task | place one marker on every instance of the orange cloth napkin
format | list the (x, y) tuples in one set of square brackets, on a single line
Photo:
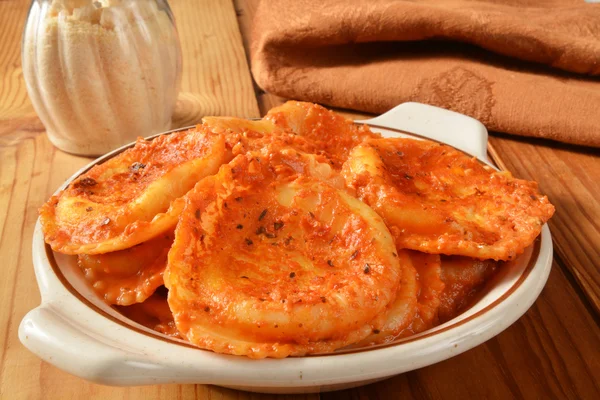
[(525, 67)]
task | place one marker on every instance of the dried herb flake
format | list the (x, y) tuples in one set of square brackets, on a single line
[(262, 214)]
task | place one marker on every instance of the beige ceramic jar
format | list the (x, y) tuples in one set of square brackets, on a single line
[(101, 73)]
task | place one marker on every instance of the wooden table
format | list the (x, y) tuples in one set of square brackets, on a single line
[(553, 351)]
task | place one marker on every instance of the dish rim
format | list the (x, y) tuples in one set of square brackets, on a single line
[(542, 255)]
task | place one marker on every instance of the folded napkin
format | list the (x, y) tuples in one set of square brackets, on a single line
[(525, 67)]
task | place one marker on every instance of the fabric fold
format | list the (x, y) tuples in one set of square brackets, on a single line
[(518, 66)]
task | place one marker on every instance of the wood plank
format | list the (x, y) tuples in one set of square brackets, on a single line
[(14, 102), (216, 78)]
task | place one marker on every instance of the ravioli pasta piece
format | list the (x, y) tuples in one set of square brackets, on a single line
[(132, 197), (463, 277), (306, 127), (224, 125), (153, 313), (438, 200), (415, 308), (333, 135), (269, 260), (315, 234), (243, 136), (430, 288), (401, 312), (128, 276)]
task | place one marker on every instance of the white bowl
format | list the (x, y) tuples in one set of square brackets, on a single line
[(77, 332)]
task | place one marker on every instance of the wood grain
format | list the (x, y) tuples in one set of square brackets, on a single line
[(216, 79), (551, 352), (14, 101)]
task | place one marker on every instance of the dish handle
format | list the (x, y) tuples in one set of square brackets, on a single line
[(457, 130), (57, 339)]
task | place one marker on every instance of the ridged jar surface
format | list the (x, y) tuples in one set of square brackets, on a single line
[(100, 74)]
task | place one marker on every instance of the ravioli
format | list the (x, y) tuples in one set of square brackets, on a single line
[(300, 233), (273, 258), (128, 276), (333, 135), (430, 289), (438, 200), (462, 277), (243, 136), (154, 313), (415, 308), (401, 312), (302, 126), (131, 198)]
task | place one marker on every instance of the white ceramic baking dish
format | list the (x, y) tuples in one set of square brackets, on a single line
[(76, 331)]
